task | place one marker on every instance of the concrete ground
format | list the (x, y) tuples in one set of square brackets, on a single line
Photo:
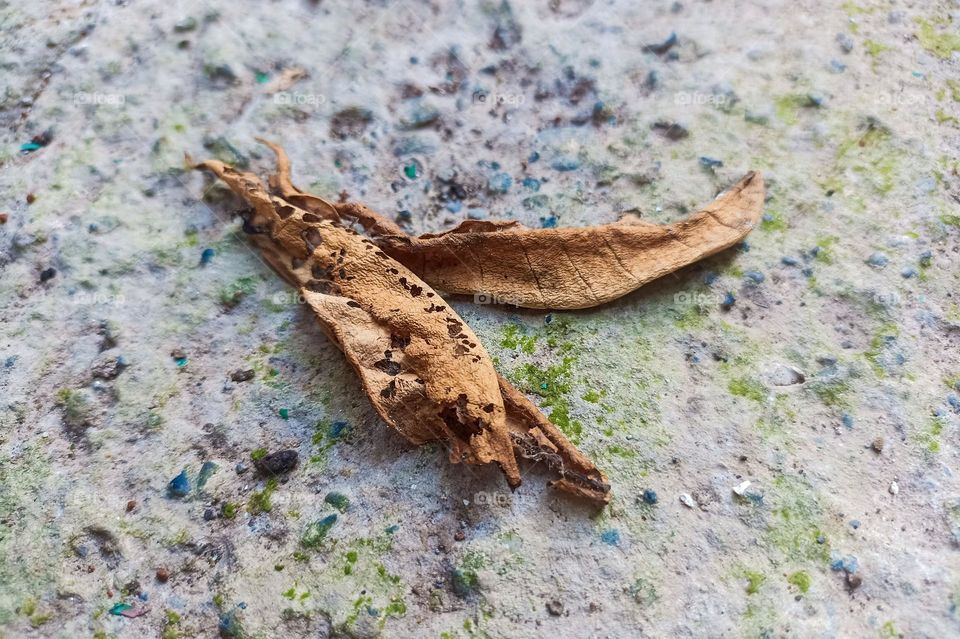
[(819, 361)]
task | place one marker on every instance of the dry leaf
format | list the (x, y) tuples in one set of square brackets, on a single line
[(422, 367), (564, 268), (569, 268)]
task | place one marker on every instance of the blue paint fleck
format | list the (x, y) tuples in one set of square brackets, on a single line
[(847, 564), (206, 256), (710, 163), (531, 183), (728, 301), (650, 497), (755, 276), (908, 272), (338, 428), (533, 157), (206, 472), (179, 486), (565, 163), (611, 537), (847, 420), (549, 222), (454, 206), (855, 523), (499, 183), (391, 529), (787, 260), (709, 278)]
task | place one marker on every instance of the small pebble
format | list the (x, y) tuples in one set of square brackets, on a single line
[(163, 575), (241, 468), (3, 218), (209, 514), (459, 535), (894, 488), (845, 42), (241, 375), (282, 461), (878, 259), (555, 607), (31, 198), (687, 500), (908, 272), (877, 445), (47, 274), (741, 489), (670, 130), (853, 581), (131, 505)]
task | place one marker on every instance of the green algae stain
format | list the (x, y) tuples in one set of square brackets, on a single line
[(874, 48), (592, 396), (950, 220), (692, 317), (754, 581), (801, 580), (884, 337), (833, 391), (466, 581), (552, 384), (787, 107), (794, 528), (316, 532), (260, 501), (773, 221), (941, 44), (233, 293), (515, 337), (749, 388), (27, 556), (929, 439)]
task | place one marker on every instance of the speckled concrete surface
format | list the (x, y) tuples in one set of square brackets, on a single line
[(820, 361)]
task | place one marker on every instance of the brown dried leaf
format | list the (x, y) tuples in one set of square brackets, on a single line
[(570, 268), (564, 268), (422, 367)]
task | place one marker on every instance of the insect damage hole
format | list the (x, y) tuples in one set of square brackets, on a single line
[(312, 239)]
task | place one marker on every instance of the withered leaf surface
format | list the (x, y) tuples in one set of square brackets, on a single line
[(557, 268), (422, 367), (570, 268)]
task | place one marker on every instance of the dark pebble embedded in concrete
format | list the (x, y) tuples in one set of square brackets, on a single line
[(282, 461), (242, 376)]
